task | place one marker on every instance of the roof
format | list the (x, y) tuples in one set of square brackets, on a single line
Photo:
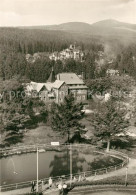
[(69, 78), (57, 84), (51, 78), (37, 86), (48, 86)]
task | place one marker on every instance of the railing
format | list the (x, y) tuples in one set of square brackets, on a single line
[(76, 176), (32, 148)]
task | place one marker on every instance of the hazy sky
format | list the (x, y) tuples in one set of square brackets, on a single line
[(46, 12)]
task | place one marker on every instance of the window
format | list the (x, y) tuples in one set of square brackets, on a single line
[(78, 98), (83, 97)]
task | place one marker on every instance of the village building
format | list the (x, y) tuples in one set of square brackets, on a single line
[(31, 58), (75, 85), (56, 88), (71, 52)]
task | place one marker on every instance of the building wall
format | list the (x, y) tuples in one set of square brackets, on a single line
[(46, 96), (61, 93), (79, 94)]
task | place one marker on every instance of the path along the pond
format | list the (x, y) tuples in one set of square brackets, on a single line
[(122, 171)]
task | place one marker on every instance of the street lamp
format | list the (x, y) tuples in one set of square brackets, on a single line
[(37, 171), (126, 176), (70, 164)]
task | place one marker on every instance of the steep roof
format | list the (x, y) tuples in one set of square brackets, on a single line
[(37, 86), (57, 84), (48, 86), (51, 78), (69, 78)]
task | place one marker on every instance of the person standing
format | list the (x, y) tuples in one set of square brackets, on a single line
[(60, 188), (50, 182), (32, 187), (65, 190)]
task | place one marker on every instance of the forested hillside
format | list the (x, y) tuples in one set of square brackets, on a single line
[(15, 43)]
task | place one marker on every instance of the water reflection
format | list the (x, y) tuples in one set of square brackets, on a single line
[(51, 163), (61, 163)]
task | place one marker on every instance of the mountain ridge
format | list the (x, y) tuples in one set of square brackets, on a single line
[(70, 25), (103, 27)]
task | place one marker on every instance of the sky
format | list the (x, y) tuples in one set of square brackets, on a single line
[(48, 12)]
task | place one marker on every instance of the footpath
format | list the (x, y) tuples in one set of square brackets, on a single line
[(131, 170)]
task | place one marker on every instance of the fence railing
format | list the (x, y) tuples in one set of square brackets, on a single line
[(75, 177), (32, 148)]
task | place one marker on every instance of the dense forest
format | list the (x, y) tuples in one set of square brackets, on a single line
[(15, 43)]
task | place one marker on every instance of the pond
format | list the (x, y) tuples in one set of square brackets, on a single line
[(21, 168)]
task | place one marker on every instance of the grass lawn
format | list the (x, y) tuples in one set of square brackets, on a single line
[(44, 134), (41, 135)]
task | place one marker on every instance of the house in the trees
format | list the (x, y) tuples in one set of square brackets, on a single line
[(75, 85), (71, 52), (55, 90)]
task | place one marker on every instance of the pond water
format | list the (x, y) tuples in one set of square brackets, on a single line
[(20, 168)]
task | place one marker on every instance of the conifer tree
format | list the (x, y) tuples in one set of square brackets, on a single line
[(109, 121), (65, 117)]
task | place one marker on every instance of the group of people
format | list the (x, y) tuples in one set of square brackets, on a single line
[(62, 186)]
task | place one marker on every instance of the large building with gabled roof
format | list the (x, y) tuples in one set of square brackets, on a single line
[(56, 88), (75, 85)]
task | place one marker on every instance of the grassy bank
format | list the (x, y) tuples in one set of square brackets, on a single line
[(116, 180)]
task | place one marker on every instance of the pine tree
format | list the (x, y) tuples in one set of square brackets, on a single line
[(14, 111), (65, 117), (108, 122)]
